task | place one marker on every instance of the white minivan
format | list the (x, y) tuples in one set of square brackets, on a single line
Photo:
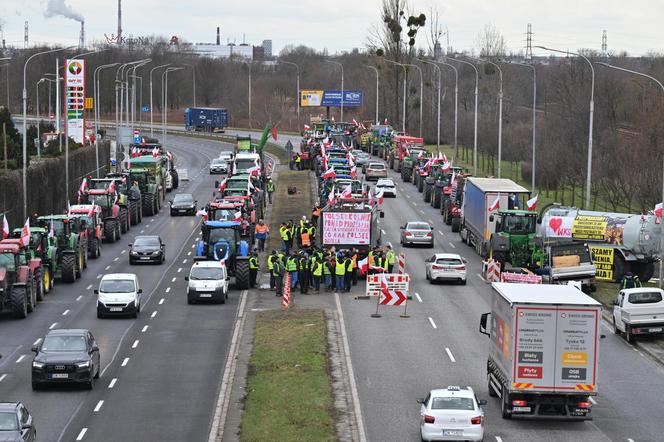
[(119, 294), (208, 281)]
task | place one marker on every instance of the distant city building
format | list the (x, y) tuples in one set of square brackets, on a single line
[(267, 48), (259, 53), (243, 50)]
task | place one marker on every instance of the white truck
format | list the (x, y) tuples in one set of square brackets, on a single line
[(638, 311), (544, 351)]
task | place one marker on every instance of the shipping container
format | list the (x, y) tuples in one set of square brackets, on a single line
[(205, 119)]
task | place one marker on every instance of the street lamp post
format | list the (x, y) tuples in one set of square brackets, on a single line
[(456, 104), (41, 80), (151, 120), (7, 75), (661, 225), (342, 85), (133, 76), (137, 109), (421, 91), (590, 127), (25, 123), (298, 88), (532, 66), (193, 70), (438, 107), (403, 116), (96, 94), (164, 100), (377, 85), (477, 83)]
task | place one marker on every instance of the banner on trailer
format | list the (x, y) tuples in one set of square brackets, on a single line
[(75, 99), (347, 228)]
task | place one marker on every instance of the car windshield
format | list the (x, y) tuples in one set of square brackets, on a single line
[(645, 298), (385, 184), (452, 403), (449, 261), (100, 200), (218, 161), (519, 224), (222, 215), (63, 343), (183, 198), (147, 241), (206, 273), (418, 226), (244, 164), (117, 286), (58, 226), (8, 422), (227, 235), (7, 261), (377, 166)]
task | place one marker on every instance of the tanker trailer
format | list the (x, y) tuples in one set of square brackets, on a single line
[(618, 242)]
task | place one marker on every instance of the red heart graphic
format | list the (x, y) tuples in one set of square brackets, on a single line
[(555, 224)]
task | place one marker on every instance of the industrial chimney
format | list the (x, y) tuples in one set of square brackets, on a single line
[(81, 39), (218, 37), (119, 21)]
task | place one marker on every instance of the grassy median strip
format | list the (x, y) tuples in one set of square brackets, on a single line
[(289, 395), (287, 206)]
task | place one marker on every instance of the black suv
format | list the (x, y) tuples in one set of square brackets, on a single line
[(183, 204), (66, 356), (16, 423)]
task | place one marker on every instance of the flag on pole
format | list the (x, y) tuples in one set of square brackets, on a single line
[(353, 172), (446, 166), (347, 192), (355, 122), (453, 180), (532, 203), (51, 230), (237, 216), (363, 265), (381, 197), (84, 185), (658, 210), (111, 187), (25, 233), (274, 133), (495, 205), (5, 227), (330, 198), (306, 127), (329, 173)]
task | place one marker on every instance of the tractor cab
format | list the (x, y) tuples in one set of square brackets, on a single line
[(60, 226), (221, 241), (514, 238)]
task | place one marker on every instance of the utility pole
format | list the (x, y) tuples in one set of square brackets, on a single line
[(4, 140), (529, 43), (604, 54)]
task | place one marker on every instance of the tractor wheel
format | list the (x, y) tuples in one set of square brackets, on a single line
[(48, 279), (427, 194), (124, 220), (19, 302), (110, 230), (420, 185), (85, 256), (133, 212), (645, 271), (456, 224), (242, 274), (118, 229), (39, 282), (80, 262), (93, 249), (31, 293), (68, 267), (148, 204)]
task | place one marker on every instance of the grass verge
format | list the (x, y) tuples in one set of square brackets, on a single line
[(289, 395)]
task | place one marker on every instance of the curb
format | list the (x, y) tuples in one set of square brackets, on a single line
[(654, 355)]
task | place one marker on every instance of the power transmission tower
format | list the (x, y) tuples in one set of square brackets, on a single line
[(529, 43), (604, 53), (25, 37)]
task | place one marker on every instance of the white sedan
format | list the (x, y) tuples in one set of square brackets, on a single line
[(387, 186), (446, 267), (451, 413)]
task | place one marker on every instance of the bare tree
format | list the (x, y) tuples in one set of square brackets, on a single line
[(491, 42)]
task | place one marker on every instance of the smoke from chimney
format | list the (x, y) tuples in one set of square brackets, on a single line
[(218, 37), (58, 7), (81, 40)]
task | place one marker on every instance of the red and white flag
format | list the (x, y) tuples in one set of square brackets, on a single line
[(347, 192), (658, 210), (363, 265), (51, 230), (25, 233), (385, 122), (353, 172), (274, 133), (306, 127), (330, 198), (446, 166), (111, 187), (532, 203), (237, 216), (381, 197), (453, 180), (155, 152), (329, 173), (421, 154), (355, 122), (84, 185), (5, 227), (254, 171), (495, 205)]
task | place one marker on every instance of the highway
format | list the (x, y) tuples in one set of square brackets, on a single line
[(160, 372), (397, 360)]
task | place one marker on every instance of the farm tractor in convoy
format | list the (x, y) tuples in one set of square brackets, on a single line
[(451, 198), (43, 248), (90, 225), (115, 217), (514, 239), (70, 256), (221, 241), (130, 195), (147, 173), (21, 281)]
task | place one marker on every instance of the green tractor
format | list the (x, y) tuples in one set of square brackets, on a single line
[(131, 193), (514, 239), (221, 241), (147, 173), (70, 257)]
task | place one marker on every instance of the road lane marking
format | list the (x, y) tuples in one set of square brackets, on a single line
[(135, 344), (414, 203), (107, 267), (383, 232), (417, 295), (173, 280), (441, 233), (53, 326), (188, 253), (124, 362), (431, 222), (81, 435), (145, 328), (88, 287), (161, 301), (422, 211), (2, 377), (433, 324), (449, 354), (117, 258), (154, 313), (179, 269), (65, 313), (184, 261), (98, 406), (168, 289), (20, 358), (193, 246), (481, 277), (143, 231), (99, 276), (122, 252), (79, 297), (592, 400), (37, 341), (452, 245), (112, 383), (499, 439), (407, 196)]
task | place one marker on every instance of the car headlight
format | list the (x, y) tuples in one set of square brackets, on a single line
[(38, 365), (133, 253), (84, 364), (155, 253)]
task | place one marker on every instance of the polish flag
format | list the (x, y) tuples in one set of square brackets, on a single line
[(347, 192), (421, 154), (84, 185), (25, 233), (203, 214), (446, 166), (330, 198), (68, 210), (362, 126), (385, 121), (51, 231), (381, 197), (5, 227), (222, 185), (363, 265), (453, 180), (495, 205), (111, 187), (155, 152), (353, 172), (274, 133), (355, 122), (658, 210), (329, 173), (306, 127), (254, 171), (532, 203), (237, 216)]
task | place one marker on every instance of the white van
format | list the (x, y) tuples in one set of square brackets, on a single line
[(119, 294), (208, 281), (244, 161)]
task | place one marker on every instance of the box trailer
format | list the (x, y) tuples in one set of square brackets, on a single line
[(205, 119), (544, 350)]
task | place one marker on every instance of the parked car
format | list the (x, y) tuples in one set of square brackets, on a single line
[(639, 311), (387, 186), (183, 204), (119, 294), (16, 423), (218, 165), (147, 248), (66, 356), (375, 171), (452, 413), (416, 232), (446, 267), (207, 281)]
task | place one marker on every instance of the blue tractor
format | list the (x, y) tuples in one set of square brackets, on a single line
[(220, 241)]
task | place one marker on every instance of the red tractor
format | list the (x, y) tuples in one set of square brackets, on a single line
[(116, 218), (234, 209), (90, 226), (402, 146), (20, 279)]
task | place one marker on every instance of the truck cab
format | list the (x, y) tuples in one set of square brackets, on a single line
[(638, 311), (514, 237)]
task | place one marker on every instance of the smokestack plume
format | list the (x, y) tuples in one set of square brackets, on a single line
[(218, 37), (58, 7), (81, 40)]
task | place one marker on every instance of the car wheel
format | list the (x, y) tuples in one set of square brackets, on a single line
[(426, 273), (463, 282), (100, 315), (190, 301), (131, 262), (35, 386), (97, 373), (615, 328)]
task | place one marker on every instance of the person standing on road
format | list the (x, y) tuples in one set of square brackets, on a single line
[(390, 258), (253, 268), (340, 273), (630, 281), (303, 277), (315, 214), (316, 271), (278, 274), (291, 233), (298, 162), (262, 230), (348, 277), (291, 267), (270, 266), (270, 189), (328, 270), (284, 234), (354, 258)]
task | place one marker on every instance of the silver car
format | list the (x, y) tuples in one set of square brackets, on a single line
[(446, 267), (416, 232), (361, 158)]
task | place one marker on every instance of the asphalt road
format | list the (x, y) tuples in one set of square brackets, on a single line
[(397, 360), (160, 371)]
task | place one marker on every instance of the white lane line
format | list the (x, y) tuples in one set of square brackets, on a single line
[(161, 301), (88, 287), (407, 196), (193, 246), (441, 233), (452, 245), (145, 328), (20, 358), (98, 406), (122, 252), (117, 258), (53, 326), (107, 267), (143, 231), (499, 439), (481, 277), (173, 280), (630, 440), (414, 203), (188, 253), (196, 239), (2, 377), (168, 289), (79, 297), (99, 276), (431, 222), (417, 295), (592, 400), (135, 344), (124, 362), (449, 354), (422, 211), (154, 313), (184, 261), (37, 341), (65, 313), (383, 232), (433, 324), (112, 383), (81, 435), (179, 269)]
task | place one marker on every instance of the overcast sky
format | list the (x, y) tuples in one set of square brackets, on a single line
[(634, 26)]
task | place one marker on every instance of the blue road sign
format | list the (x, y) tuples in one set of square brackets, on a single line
[(145, 109), (332, 98)]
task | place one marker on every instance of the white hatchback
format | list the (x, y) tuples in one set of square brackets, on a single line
[(452, 413), (387, 186), (446, 267)]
